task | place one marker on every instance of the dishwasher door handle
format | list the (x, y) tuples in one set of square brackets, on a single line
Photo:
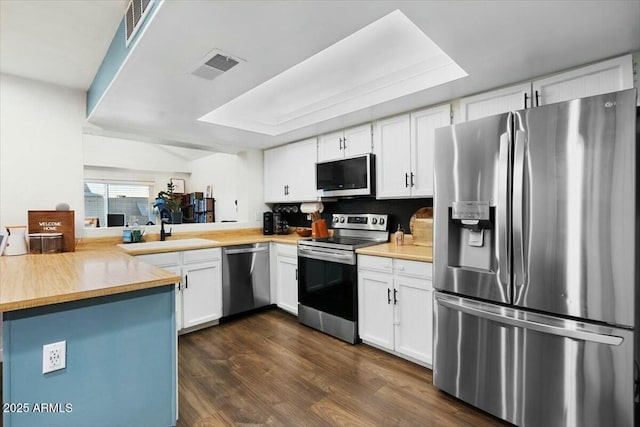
[(245, 251)]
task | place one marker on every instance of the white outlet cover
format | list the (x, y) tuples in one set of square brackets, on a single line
[(54, 356)]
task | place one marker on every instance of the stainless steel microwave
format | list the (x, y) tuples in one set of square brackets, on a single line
[(351, 176)]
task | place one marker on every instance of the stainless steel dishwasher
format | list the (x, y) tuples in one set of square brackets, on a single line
[(245, 278)]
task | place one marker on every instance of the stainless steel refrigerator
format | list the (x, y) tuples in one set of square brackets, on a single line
[(536, 255)]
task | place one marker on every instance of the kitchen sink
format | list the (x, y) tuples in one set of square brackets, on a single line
[(168, 244)]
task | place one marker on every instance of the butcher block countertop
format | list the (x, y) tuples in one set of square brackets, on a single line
[(28, 281), (99, 267), (407, 251), (103, 266)]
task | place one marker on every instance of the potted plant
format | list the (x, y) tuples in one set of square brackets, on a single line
[(172, 202)]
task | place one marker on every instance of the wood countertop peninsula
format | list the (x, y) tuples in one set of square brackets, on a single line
[(28, 281)]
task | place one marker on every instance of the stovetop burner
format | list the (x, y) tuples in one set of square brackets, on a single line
[(353, 231)]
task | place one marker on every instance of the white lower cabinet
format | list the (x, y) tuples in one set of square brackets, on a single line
[(199, 294), (286, 276), (395, 307)]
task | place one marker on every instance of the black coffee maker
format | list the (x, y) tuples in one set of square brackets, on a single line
[(267, 223)]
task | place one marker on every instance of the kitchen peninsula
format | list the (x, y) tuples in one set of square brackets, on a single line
[(116, 315)]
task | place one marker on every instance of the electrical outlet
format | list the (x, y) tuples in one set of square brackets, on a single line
[(54, 356)]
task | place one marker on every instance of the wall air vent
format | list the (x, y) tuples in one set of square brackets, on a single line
[(214, 64), (134, 17)]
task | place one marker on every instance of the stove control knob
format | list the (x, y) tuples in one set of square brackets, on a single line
[(342, 220), (335, 219), (374, 221), (381, 221)]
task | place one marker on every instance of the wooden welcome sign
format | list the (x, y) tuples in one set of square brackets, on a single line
[(55, 222)]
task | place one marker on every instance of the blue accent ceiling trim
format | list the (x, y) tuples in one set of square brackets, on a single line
[(121, 361), (115, 57)]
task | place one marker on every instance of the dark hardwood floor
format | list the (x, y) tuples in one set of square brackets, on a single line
[(267, 369)]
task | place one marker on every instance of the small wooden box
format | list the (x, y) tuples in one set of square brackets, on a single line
[(55, 222)]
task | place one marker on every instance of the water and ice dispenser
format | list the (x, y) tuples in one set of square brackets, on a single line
[(472, 235)]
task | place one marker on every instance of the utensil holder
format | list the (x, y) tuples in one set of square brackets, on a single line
[(319, 229)]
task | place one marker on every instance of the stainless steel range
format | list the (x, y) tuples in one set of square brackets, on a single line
[(328, 274)]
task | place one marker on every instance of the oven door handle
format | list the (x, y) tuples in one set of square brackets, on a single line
[(346, 258)]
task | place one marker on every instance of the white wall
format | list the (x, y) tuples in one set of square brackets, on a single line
[(218, 171), (250, 182), (101, 151), (40, 148)]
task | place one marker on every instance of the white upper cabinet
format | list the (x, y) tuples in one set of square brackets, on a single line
[(290, 172), (604, 77), (495, 102), (345, 143), (275, 174), (404, 152), (423, 125)]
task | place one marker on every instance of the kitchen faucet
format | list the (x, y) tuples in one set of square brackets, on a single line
[(164, 234)]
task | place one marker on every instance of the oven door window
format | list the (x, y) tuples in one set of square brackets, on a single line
[(329, 287)]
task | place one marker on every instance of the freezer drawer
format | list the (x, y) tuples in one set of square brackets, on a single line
[(532, 369)]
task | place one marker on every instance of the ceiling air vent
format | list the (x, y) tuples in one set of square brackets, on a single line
[(214, 64), (134, 17)]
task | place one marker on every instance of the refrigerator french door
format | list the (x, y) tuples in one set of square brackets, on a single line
[(535, 263)]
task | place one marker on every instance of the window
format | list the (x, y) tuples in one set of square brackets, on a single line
[(112, 203)]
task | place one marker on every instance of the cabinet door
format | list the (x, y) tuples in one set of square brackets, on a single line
[(275, 174), (603, 77), (301, 167), (495, 102), (178, 288), (391, 147), (375, 308), (201, 293), (413, 317), (423, 124), (357, 140), (287, 283), (330, 146)]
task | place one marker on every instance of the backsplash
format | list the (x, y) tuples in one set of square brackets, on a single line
[(399, 210)]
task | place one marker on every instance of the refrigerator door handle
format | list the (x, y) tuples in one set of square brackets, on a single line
[(503, 206), (506, 316), (519, 269)]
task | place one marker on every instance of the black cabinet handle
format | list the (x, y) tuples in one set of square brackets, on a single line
[(537, 99), (388, 296), (341, 143), (395, 296), (296, 274), (412, 184), (406, 180), (526, 97), (344, 143), (186, 282)]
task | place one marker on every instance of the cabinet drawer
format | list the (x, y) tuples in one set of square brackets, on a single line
[(376, 263), (199, 255), (287, 250), (165, 259), (412, 268)]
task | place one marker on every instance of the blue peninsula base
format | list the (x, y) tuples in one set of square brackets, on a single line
[(120, 362)]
